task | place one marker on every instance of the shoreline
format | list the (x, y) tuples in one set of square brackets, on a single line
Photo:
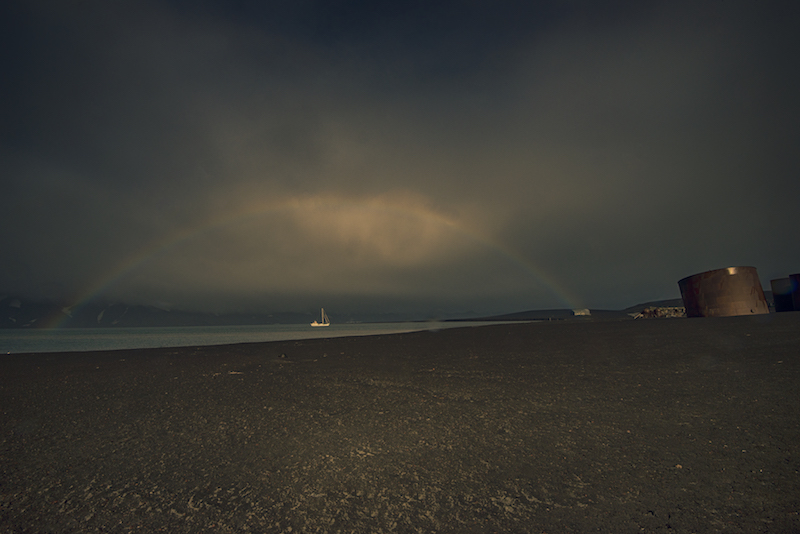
[(145, 338), (563, 426)]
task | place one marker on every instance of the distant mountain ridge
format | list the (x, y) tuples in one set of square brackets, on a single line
[(19, 312), (16, 312), (557, 315)]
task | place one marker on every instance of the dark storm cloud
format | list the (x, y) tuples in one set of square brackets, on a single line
[(494, 155)]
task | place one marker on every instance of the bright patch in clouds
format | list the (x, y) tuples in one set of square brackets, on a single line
[(324, 244)]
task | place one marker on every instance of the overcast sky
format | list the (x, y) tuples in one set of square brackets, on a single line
[(493, 156)]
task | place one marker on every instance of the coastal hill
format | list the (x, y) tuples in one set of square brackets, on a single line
[(561, 314)]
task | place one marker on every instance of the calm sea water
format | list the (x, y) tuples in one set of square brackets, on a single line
[(16, 341)]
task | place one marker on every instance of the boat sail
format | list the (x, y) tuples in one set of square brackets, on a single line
[(324, 318)]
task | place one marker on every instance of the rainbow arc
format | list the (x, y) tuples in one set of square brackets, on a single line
[(298, 207)]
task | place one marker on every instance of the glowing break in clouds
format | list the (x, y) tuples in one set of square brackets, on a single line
[(328, 245)]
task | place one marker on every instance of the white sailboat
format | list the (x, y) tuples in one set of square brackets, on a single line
[(324, 318)]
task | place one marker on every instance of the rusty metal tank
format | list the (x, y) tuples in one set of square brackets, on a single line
[(723, 293), (782, 294), (795, 280)]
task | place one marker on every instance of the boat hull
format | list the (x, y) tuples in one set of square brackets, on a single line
[(323, 317)]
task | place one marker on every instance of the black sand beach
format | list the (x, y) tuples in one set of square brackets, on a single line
[(672, 425)]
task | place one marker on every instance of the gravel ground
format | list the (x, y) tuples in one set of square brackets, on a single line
[(663, 425)]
